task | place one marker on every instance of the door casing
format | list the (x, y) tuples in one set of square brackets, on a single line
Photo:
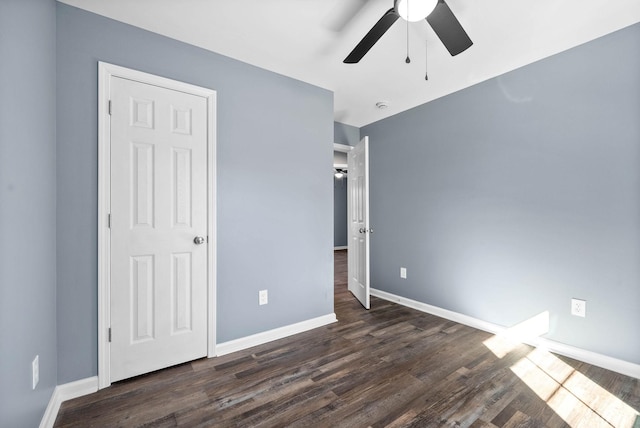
[(105, 72)]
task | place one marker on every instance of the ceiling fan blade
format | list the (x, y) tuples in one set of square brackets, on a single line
[(372, 36), (448, 29)]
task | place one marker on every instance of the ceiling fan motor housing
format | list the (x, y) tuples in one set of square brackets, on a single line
[(414, 10)]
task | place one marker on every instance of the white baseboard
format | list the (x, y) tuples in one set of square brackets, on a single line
[(275, 334), (71, 390), (67, 391), (589, 357), (442, 313), (344, 247)]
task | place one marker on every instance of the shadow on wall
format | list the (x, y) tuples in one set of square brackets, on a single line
[(345, 134)]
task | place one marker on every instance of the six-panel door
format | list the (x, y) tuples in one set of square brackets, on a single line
[(358, 213), (158, 207)]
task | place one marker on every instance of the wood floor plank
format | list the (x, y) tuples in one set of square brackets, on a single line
[(390, 366)]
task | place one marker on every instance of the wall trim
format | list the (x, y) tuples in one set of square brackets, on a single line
[(343, 247), (64, 392), (619, 366), (275, 334), (342, 148)]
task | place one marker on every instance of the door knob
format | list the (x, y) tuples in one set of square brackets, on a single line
[(362, 230), (198, 240)]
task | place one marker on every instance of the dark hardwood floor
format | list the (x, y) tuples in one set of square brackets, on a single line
[(389, 366)]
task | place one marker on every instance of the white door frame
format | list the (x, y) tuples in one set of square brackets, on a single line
[(342, 148), (105, 73)]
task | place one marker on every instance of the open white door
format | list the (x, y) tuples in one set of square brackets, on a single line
[(358, 215)]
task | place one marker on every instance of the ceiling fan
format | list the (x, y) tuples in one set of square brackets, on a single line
[(339, 172), (438, 15)]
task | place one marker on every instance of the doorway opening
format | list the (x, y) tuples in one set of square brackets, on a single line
[(340, 222), (358, 227)]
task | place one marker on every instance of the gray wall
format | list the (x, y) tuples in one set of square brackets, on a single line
[(27, 208), (509, 198), (273, 233), (340, 236), (345, 134), (339, 158)]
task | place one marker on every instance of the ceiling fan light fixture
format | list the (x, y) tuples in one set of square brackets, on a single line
[(415, 10)]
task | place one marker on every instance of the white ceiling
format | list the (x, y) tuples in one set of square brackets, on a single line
[(308, 39)]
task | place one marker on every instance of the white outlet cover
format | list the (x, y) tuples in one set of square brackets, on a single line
[(403, 272), (579, 307), (263, 297), (35, 372)]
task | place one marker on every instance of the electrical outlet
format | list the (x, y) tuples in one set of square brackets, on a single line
[(578, 307), (263, 297), (35, 372), (403, 272)]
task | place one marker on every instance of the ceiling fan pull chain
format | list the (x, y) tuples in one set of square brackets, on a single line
[(426, 66), (408, 60)]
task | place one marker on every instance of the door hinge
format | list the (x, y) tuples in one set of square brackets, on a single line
[(109, 107), (109, 220), (109, 334)]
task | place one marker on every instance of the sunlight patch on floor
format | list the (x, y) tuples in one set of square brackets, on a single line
[(503, 343), (579, 401)]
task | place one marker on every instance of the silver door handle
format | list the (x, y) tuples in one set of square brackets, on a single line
[(362, 230), (198, 240)]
